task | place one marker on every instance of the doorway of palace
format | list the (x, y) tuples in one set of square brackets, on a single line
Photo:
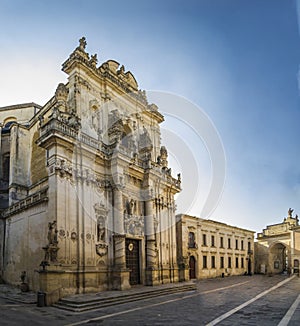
[(296, 266), (278, 258), (133, 260), (192, 267), (249, 266)]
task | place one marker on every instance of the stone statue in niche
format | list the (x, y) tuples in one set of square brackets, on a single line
[(101, 229), (131, 207), (101, 213)]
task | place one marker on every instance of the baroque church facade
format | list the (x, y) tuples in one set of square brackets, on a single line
[(86, 194)]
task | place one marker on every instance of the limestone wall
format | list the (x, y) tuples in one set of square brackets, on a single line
[(26, 234)]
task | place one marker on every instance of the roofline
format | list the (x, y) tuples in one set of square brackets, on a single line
[(215, 222), (20, 106)]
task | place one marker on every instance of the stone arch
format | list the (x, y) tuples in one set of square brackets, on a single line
[(278, 258), (9, 119)]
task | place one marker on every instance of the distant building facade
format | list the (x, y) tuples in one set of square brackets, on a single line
[(277, 249), (86, 194), (211, 249)]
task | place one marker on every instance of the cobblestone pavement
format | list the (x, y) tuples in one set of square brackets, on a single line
[(237, 300)]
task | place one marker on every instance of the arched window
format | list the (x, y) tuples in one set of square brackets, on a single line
[(6, 127)]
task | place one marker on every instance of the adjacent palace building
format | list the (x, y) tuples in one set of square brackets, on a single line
[(210, 249), (87, 196)]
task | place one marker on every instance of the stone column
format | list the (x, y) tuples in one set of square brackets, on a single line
[(120, 280), (151, 266), (119, 236), (150, 234)]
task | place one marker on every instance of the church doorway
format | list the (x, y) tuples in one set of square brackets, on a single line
[(192, 267), (133, 260)]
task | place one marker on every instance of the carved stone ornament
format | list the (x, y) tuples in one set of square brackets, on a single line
[(61, 93), (73, 236), (130, 246), (101, 249), (134, 224)]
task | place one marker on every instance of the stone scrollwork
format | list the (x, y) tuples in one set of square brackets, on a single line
[(62, 233), (61, 95), (63, 167)]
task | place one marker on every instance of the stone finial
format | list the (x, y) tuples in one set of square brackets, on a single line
[(121, 70), (164, 157), (94, 59), (61, 92), (163, 152), (82, 44)]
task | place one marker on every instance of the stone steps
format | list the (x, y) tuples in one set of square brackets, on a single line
[(87, 302)]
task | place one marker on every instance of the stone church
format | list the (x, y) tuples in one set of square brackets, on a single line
[(86, 194)]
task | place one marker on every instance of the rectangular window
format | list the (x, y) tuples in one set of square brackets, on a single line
[(221, 242), (236, 262), (204, 261), (229, 243), (242, 244), (204, 240), (236, 244), (212, 240), (242, 262), (221, 262), (229, 262), (213, 262)]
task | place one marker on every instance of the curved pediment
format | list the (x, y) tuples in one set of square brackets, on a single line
[(131, 80), (113, 66)]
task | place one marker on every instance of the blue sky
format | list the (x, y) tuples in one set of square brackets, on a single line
[(237, 60)]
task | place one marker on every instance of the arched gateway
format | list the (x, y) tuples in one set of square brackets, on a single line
[(277, 249)]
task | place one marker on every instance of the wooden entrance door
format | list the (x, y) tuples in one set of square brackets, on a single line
[(133, 260), (192, 266)]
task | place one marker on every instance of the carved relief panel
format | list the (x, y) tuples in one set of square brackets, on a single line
[(133, 218)]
